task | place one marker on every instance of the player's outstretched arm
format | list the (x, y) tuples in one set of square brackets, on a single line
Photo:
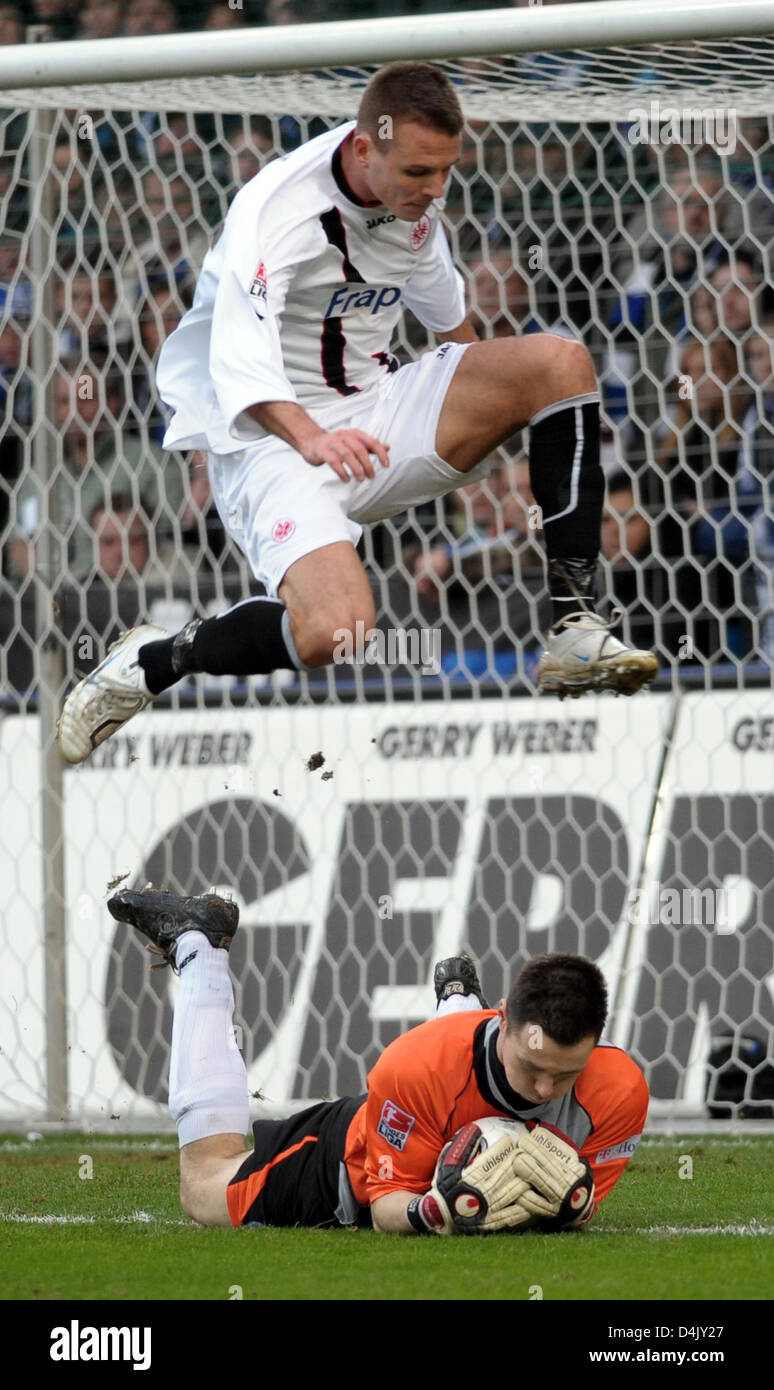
[(347, 451)]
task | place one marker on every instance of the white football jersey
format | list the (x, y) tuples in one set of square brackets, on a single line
[(298, 301)]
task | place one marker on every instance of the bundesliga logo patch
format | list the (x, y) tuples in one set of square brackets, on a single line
[(258, 292), (395, 1125)]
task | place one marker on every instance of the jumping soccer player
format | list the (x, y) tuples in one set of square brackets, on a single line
[(281, 370), (374, 1160)]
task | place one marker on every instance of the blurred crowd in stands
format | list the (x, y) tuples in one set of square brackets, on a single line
[(656, 256)]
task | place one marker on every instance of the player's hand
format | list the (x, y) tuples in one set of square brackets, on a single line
[(347, 452), (560, 1186), (473, 1192), (430, 571)]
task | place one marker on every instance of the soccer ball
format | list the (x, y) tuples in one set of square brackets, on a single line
[(493, 1127)]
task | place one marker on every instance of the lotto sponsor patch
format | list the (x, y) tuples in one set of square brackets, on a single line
[(395, 1125)]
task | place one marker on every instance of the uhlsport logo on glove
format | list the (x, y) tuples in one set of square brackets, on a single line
[(467, 1205), (561, 1151), (488, 1164)]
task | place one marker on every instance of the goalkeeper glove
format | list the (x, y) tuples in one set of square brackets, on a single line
[(560, 1184), (474, 1192)]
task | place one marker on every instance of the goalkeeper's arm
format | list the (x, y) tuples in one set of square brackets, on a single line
[(388, 1213), (539, 1179), (473, 1192)]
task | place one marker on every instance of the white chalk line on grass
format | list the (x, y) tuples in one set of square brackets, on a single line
[(137, 1218), (15, 1146), (730, 1141), (145, 1218), (750, 1228)]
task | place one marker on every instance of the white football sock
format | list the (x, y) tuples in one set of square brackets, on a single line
[(457, 1004), (207, 1074)]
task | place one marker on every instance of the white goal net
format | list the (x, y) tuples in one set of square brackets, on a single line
[(622, 194)]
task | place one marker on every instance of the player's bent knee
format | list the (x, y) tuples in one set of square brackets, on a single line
[(557, 367), (552, 353), (573, 362), (205, 1202)]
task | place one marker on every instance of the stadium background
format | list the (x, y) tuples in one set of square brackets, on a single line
[(460, 810)]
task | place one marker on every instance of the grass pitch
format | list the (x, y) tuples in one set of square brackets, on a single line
[(671, 1230)]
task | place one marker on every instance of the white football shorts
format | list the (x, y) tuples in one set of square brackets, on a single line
[(278, 507)]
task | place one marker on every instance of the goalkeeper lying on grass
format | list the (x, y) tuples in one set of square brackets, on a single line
[(407, 1157)]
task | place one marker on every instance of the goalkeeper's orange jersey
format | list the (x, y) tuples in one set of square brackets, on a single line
[(445, 1073)]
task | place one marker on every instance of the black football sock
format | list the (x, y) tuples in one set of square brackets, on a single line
[(569, 487), (251, 639)]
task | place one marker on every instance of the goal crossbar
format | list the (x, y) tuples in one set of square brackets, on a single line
[(607, 59), (437, 36)]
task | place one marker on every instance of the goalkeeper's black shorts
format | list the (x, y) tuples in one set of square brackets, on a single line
[(296, 1174)]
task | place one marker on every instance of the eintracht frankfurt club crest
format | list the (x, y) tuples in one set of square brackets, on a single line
[(420, 232)]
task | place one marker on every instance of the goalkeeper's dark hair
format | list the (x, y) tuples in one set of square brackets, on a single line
[(409, 92), (565, 995)]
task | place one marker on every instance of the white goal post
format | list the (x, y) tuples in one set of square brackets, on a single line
[(615, 185)]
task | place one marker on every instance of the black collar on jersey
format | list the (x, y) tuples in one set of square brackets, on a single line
[(337, 170), (490, 1072)]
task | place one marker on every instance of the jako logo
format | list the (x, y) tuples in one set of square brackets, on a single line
[(78, 1343), (346, 300), (379, 221)]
